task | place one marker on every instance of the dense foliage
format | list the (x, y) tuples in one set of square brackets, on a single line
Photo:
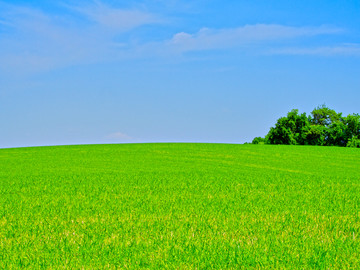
[(323, 126)]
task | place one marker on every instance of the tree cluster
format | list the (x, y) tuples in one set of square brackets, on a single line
[(323, 126)]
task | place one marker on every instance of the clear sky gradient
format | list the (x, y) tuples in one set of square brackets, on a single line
[(80, 72)]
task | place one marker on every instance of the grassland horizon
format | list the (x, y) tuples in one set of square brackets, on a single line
[(179, 205)]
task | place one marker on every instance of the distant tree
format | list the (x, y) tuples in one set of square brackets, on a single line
[(324, 116), (291, 129), (258, 140), (352, 122), (315, 135), (336, 134), (323, 126)]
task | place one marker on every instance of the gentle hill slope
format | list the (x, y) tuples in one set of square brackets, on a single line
[(180, 205)]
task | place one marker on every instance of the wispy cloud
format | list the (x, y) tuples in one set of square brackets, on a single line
[(207, 39), (35, 40), (38, 41), (115, 18), (343, 50), (5, 23)]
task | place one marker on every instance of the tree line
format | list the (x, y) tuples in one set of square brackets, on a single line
[(323, 126)]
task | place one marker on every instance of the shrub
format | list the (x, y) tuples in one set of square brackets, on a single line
[(258, 140), (354, 142)]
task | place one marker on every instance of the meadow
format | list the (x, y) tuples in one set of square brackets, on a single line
[(182, 206)]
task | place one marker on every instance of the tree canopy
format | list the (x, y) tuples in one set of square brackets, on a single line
[(323, 126)]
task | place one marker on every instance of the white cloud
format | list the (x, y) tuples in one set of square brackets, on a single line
[(37, 41), (343, 50), (121, 19), (116, 19), (246, 35)]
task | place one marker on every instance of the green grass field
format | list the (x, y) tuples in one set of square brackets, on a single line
[(180, 206)]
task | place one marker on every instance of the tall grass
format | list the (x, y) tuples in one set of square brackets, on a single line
[(180, 206)]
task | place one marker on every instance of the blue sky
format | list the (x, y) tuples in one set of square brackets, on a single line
[(79, 72)]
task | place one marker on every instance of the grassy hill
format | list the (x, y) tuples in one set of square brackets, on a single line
[(180, 206)]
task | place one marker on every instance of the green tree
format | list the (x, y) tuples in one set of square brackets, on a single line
[(336, 134), (352, 122), (324, 116), (315, 135), (333, 129), (258, 140), (323, 127), (290, 129), (354, 142)]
